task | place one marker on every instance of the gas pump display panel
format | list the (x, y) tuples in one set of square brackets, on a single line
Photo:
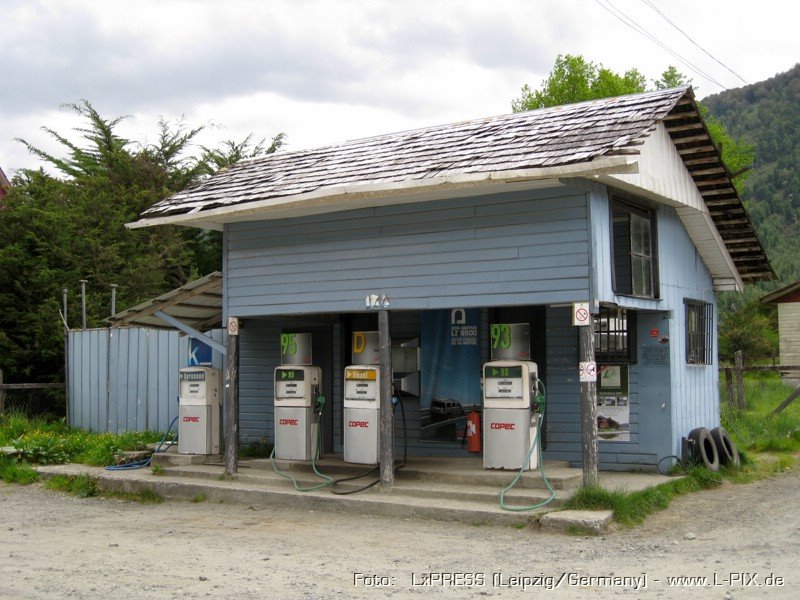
[(290, 385)]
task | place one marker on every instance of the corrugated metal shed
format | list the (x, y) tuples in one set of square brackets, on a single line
[(520, 143), (198, 304)]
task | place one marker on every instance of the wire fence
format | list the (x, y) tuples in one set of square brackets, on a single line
[(34, 399)]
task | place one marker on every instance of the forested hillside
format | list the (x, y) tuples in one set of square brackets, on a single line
[(768, 114)]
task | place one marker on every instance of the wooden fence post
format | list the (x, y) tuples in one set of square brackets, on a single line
[(729, 387), (739, 377), (2, 394)]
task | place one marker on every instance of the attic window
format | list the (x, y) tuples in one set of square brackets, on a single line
[(634, 250)]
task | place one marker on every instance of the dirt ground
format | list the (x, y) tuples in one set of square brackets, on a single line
[(744, 539)]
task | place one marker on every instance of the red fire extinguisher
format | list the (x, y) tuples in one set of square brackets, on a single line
[(474, 431)]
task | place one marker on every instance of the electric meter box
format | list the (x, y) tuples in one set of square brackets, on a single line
[(199, 418), (362, 385), (510, 414), (296, 422)]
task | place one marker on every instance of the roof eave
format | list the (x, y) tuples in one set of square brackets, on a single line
[(334, 199)]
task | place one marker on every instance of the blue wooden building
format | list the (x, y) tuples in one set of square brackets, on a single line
[(623, 203)]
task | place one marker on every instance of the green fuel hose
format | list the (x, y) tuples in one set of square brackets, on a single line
[(328, 480), (538, 447)]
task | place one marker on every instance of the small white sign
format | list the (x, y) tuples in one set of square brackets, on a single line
[(580, 314), (588, 371), (233, 326)]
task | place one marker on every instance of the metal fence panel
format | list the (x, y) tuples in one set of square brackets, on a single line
[(126, 379)]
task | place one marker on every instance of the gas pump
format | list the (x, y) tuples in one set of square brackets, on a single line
[(199, 411), (297, 414), (361, 414), (511, 412)]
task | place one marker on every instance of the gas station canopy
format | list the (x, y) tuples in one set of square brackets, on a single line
[(197, 304)]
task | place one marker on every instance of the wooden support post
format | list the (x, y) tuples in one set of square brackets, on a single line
[(232, 396), (386, 417), (2, 394), (729, 387), (590, 453), (739, 378)]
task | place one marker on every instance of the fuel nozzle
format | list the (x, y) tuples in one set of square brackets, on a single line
[(319, 404)]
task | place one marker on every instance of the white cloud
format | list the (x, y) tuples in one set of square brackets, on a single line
[(324, 71)]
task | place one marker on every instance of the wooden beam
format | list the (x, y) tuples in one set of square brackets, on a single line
[(696, 149), (675, 116), (590, 452), (690, 138), (231, 438), (386, 449), (687, 127), (701, 161), (705, 193), (711, 171)]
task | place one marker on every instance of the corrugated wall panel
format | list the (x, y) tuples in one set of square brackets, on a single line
[(519, 248), (127, 379)]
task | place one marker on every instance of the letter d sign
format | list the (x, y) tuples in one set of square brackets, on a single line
[(359, 342)]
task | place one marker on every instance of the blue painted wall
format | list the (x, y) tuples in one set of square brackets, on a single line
[(543, 247), (518, 248)]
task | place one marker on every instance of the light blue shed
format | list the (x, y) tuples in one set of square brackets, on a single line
[(621, 203)]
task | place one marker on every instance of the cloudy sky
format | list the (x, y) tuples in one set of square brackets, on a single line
[(324, 71)]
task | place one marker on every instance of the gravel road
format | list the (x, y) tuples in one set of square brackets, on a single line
[(744, 539)]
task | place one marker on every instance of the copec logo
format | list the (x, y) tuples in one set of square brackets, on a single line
[(509, 426), (287, 422), (364, 424), (191, 419)]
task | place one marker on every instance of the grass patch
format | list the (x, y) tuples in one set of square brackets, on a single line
[(14, 471), (146, 496), (631, 508), (158, 470), (580, 531), (83, 486), (756, 429), (201, 497)]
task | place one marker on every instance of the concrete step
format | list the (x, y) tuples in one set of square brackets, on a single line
[(434, 491), (456, 471), (378, 502)]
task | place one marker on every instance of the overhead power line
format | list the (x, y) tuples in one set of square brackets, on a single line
[(668, 20), (609, 7)]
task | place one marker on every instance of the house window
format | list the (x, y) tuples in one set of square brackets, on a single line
[(615, 336), (699, 323), (635, 272)]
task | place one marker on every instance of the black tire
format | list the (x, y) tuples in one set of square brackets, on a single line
[(704, 451), (726, 449)]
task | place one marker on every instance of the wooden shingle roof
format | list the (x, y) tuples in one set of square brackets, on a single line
[(520, 142)]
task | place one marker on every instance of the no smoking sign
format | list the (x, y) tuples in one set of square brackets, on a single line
[(587, 372), (580, 314)]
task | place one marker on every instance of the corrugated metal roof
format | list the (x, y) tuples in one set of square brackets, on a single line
[(527, 141), (198, 304)]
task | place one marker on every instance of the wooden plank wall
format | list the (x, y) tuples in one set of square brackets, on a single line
[(507, 249)]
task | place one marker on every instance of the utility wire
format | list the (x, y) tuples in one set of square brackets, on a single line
[(639, 29), (668, 20)]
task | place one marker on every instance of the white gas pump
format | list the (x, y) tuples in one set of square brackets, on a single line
[(361, 414), (510, 414), (297, 388), (199, 411)]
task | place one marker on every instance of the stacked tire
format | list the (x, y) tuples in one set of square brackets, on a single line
[(713, 448)]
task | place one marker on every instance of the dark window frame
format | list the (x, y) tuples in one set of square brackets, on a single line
[(623, 217), (615, 336), (699, 329)]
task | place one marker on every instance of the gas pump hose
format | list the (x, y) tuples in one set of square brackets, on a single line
[(538, 447), (328, 480), (146, 462), (376, 468)]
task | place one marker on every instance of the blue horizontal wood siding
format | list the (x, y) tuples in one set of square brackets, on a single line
[(507, 249)]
